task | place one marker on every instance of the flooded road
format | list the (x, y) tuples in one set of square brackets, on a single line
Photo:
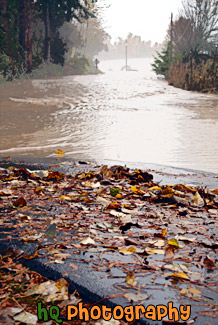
[(126, 116)]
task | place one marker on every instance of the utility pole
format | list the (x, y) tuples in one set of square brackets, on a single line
[(171, 37), (126, 53)]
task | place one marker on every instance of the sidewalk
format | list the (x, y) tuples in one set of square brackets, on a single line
[(117, 233)]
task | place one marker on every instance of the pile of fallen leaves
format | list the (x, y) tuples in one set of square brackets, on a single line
[(168, 231), (21, 290)]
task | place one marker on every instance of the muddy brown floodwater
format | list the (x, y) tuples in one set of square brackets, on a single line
[(120, 115)]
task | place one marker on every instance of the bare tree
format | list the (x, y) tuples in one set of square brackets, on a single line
[(186, 36), (203, 15)]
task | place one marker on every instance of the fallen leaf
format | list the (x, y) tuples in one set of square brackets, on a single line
[(38, 190), (59, 152), (45, 288), (185, 238), (127, 251), (114, 205), (32, 238), (87, 241), (173, 242), (132, 297), (118, 214), (164, 232), (155, 188), (67, 197), (114, 191), (59, 261), (30, 256), (62, 285), (169, 253), (197, 200), (130, 278), (102, 200), (191, 292), (154, 251), (21, 202), (135, 190), (159, 243), (209, 263), (27, 318), (180, 275)]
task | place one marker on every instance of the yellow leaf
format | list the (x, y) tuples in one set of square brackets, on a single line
[(60, 152), (155, 188), (135, 190), (67, 197), (173, 242), (62, 285), (130, 278), (180, 275), (167, 190), (127, 251)]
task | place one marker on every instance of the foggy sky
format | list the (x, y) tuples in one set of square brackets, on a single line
[(146, 18)]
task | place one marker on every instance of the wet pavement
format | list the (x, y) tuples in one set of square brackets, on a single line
[(96, 285)]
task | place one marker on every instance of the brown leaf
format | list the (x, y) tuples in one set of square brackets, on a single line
[(20, 202), (208, 263), (114, 205), (38, 190), (30, 256), (164, 232), (54, 176), (169, 253)]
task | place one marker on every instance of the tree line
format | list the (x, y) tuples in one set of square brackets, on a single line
[(30, 31), (190, 57), (137, 48)]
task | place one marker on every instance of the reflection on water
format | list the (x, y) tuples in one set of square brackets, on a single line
[(119, 115)]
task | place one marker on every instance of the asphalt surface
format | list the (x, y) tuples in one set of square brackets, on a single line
[(95, 285)]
